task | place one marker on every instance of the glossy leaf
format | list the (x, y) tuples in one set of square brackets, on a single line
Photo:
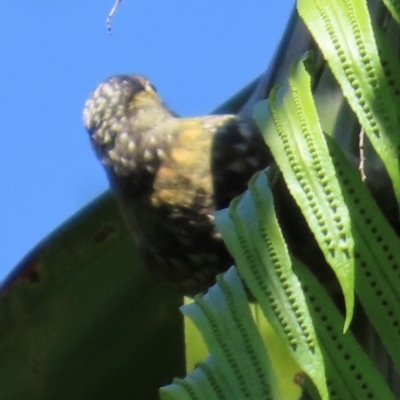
[(290, 126), (343, 31), (252, 235), (350, 372), (238, 367), (376, 254)]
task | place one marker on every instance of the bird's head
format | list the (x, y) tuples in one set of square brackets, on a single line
[(116, 99), (122, 116)]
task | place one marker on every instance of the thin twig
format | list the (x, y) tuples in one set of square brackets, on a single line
[(111, 14), (362, 155)]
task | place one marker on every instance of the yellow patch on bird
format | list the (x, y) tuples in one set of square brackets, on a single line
[(190, 135), (192, 147), (172, 197), (166, 174), (183, 156), (166, 196)]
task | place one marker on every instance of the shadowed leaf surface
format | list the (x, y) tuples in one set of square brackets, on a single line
[(81, 319)]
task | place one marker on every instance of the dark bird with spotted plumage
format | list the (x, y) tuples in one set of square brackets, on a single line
[(170, 175)]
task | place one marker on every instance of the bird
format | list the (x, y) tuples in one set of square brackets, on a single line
[(170, 174)]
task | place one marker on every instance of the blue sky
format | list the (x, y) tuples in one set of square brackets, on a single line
[(54, 53)]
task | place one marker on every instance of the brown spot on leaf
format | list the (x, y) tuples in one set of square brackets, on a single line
[(31, 270), (299, 379), (27, 270)]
